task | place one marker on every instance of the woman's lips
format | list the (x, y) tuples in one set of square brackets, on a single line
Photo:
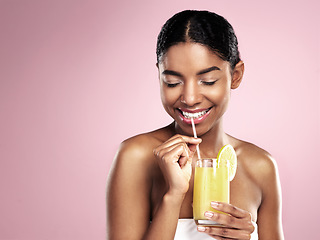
[(198, 115)]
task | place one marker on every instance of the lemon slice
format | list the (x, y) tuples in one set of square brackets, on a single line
[(227, 153)]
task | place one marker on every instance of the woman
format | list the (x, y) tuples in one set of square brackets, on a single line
[(150, 185)]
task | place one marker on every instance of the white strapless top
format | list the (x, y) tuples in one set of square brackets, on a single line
[(187, 230)]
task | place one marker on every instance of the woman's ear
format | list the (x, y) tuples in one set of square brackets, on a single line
[(237, 75)]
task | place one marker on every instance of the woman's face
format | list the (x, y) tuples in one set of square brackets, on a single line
[(195, 83)]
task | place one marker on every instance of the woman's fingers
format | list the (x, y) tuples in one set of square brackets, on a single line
[(237, 222), (174, 158), (231, 209), (225, 233), (175, 153), (188, 144), (187, 139), (231, 221), (178, 139)]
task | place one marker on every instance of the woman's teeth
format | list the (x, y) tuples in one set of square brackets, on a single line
[(194, 115)]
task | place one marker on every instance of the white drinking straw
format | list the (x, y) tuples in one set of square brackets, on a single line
[(195, 135)]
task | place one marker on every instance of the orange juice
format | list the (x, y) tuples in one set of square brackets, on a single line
[(211, 183)]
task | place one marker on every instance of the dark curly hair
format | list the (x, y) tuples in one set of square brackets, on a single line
[(203, 27)]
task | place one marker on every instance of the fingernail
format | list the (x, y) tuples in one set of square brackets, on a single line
[(214, 204), (208, 214), (201, 229)]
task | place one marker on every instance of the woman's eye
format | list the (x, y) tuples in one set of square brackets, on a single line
[(171, 85), (208, 83)]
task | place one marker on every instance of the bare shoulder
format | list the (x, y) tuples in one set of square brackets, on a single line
[(131, 165), (139, 149), (136, 149), (135, 154), (257, 162), (129, 185)]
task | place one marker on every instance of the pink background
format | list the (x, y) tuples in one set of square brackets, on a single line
[(78, 77)]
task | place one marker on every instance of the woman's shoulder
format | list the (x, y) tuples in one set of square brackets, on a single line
[(134, 162), (257, 162), (140, 147)]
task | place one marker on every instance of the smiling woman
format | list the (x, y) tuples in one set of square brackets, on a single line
[(191, 75), (151, 182)]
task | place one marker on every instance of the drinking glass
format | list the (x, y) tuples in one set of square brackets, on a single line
[(211, 183)]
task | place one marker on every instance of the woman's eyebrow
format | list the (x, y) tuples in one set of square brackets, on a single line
[(214, 68), (174, 73), (171, 72)]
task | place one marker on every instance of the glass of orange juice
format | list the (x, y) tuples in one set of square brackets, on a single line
[(211, 183)]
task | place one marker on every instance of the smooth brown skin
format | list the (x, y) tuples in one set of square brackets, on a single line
[(152, 175)]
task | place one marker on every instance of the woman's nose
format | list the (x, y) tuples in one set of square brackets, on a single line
[(191, 93)]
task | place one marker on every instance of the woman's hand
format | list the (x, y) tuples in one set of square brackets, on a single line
[(238, 223), (175, 158)]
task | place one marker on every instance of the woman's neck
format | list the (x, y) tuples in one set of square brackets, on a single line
[(212, 141)]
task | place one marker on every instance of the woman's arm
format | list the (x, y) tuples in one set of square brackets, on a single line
[(130, 183), (269, 213), (128, 193)]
